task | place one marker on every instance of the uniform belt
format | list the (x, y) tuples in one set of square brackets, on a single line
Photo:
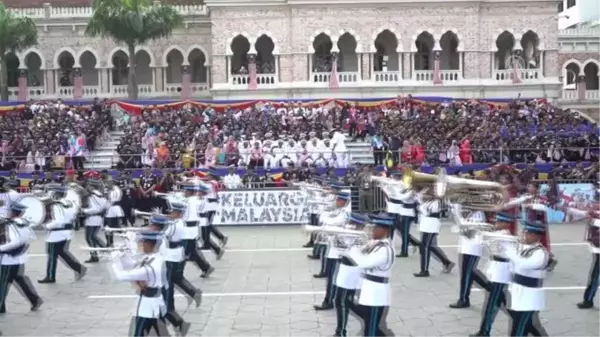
[(213, 199), (434, 215), (499, 258), (191, 223), (527, 281), (377, 279), (404, 204), (175, 244), (204, 215), (150, 292), (63, 228), (17, 250)]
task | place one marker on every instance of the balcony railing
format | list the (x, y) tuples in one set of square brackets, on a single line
[(580, 32), (573, 95), (343, 77), (262, 80), (445, 75), (49, 12)]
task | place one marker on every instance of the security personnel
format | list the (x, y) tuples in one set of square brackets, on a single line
[(94, 218), (347, 282), (146, 185), (148, 275), (195, 206), (375, 261), (335, 218), (430, 209), (499, 275), (60, 231), (126, 185), (13, 256), (529, 263), (114, 213)]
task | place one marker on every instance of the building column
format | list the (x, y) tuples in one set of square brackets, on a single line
[(22, 81), (186, 87), (77, 83), (581, 87)]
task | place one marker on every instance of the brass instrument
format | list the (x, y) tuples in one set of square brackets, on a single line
[(418, 180), (474, 194), (389, 181), (467, 228), (341, 237), (496, 241)]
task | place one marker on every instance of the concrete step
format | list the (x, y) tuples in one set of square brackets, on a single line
[(101, 159), (113, 142), (102, 153), (96, 166)]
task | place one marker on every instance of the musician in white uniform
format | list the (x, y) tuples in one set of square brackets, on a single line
[(529, 262), (59, 225), (13, 256), (209, 206), (114, 213), (470, 250), (375, 261), (212, 198), (193, 224), (430, 209), (328, 199), (94, 218), (347, 282), (149, 274), (7, 196), (335, 218), (499, 275)]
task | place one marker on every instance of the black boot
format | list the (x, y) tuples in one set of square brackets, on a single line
[(585, 305), (460, 304)]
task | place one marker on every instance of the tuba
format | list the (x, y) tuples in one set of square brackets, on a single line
[(495, 241), (423, 181), (474, 194)]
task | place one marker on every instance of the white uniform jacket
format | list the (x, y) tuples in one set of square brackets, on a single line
[(335, 218), (409, 203), (172, 245), (195, 206), (18, 236), (430, 214), (376, 263), (594, 222), (59, 218), (150, 270), (7, 199), (348, 276), (393, 202), (529, 269), (114, 198), (94, 213), (499, 269), (472, 246), (212, 199)]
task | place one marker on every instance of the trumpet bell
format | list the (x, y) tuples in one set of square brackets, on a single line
[(413, 179)]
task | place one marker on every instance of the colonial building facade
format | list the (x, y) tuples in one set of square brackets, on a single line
[(288, 49)]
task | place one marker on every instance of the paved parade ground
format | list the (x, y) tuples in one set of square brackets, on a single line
[(263, 286)]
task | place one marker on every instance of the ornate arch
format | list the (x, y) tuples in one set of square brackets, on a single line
[(577, 62), (494, 47), (150, 54), (112, 53), (359, 47), (168, 50), (313, 36), (540, 37), (23, 57), (69, 50), (92, 51), (588, 61), (229, 51), (272, 37), (413, 44), (376, 33), (459, 37), (202, 49)]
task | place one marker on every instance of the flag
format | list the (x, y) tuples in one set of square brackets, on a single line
[(277, 177), (516, 71), (77, 85), (252, 83), (333, 80), (200, 174), (436, 68)]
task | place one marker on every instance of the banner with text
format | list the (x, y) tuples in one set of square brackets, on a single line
[(580, 196), (262, 207)]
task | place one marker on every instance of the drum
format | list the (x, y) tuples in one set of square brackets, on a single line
[(35, 213)]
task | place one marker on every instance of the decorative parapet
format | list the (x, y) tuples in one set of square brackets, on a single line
[(580, 32), (49, 12)]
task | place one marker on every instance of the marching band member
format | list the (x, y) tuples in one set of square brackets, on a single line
[(7, 196), (328, 199), (347, 281), (429, 224), (94, 218), (149, 275), (405, 202), (470, 251), (499, 275), (315, 208), (593, 238), (206, 214), (212, 205), (13, 256), (337, 217), (375, 261), (193, 223), (114, 213), (60, 226), (529, 269)]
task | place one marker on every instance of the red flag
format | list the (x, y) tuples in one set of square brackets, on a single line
[(333, 80), (252, 83)]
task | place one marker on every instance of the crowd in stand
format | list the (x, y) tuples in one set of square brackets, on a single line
[(407, 131), (51, 135)]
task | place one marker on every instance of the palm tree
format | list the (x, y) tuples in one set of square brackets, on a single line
[(132, 23), (16, 33)]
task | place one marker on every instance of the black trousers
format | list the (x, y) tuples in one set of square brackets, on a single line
[(468, 274), (526, 323), (343, 300), (331, 266), (214, 229), (402, 224), (373, 320), (111, 223), (192, 254), (16, 273), (428, 247), (494, 300), (207, 242), (56, 250), (321, 251), (593, 280), (174, 273), (142, 326), (378, 156), (92, 239), (127, 206)]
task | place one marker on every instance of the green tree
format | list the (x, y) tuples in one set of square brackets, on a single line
[(16, 34), (132, 23)]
